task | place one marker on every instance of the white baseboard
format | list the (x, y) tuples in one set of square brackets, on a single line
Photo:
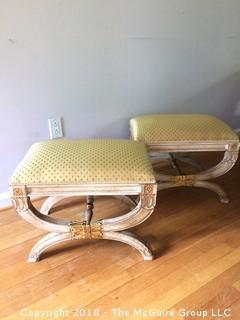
[(5, 200)]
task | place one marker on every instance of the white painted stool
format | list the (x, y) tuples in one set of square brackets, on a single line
[(177, 133), (85, 168)]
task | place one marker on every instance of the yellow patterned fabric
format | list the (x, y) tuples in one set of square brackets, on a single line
[(180, 127), (84, 161)]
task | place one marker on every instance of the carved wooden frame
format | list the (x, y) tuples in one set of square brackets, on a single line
[(230, 148), (62, 230)]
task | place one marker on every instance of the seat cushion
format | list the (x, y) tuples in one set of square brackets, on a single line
[(180, 127), (84, 161)]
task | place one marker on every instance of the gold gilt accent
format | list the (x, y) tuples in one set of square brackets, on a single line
[(85, 231), (233, 147), (186, 181), (19, 192), (148, 197), (148, 189)]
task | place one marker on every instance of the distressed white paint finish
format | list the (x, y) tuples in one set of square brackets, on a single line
[(63, 230), (199, 179)]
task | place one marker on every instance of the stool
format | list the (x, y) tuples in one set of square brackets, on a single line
[(176, 133), (85, 168)]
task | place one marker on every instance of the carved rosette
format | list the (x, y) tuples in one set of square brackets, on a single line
[(233, 147), (18, 192), (20, 199), (148, 196), (231, 154), (85, 231)]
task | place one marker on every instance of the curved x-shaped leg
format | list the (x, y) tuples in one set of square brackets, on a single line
[(52, 239), (62, 230), (47, 242), (199, 179), (131, 240)]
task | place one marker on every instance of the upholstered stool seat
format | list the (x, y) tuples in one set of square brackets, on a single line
[(175, 133), (181, 127), (85, 167), (84, 161)]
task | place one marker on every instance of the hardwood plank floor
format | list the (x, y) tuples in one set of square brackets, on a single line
[(196, 240)]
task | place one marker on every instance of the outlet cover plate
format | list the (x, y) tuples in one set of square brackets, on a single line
[(55, 128)]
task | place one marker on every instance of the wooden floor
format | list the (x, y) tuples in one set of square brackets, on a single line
[(196, 241)]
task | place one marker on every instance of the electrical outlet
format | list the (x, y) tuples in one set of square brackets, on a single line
[(55, 128)]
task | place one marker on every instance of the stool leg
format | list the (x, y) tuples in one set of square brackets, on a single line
[(49, 203), (131, 240), (47, 242), (200, 179), (223, 198), (62, 230)]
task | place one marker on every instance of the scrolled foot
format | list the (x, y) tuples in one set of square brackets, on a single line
[(223, 198), (33, 257), (46, 242)]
